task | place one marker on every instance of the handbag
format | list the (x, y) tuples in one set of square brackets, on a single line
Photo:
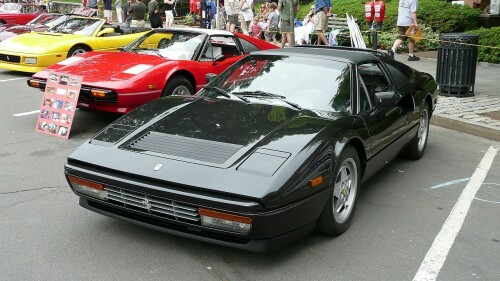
[(245, 6)]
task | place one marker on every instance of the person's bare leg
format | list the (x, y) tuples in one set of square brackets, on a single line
[(411, 47)]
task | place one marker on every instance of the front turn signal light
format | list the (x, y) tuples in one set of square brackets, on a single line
[(88, 187), (34, 83), (98, 93), (225, 221)]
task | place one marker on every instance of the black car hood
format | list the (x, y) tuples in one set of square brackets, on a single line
[(223, 145)]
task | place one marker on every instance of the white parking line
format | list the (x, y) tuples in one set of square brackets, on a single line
[(436, 256), (7, 80), (26, 113)]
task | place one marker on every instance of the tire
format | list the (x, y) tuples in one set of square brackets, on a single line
[(178, 85), (78, 49), (339, 209), (416, 147)]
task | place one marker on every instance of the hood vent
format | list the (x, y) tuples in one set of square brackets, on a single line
[(196, 149)]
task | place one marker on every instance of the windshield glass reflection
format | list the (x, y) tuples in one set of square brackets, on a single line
[(77, 26), (171, 45), (308, 82)]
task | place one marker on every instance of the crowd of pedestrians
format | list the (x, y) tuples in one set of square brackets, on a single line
[(272, 20)]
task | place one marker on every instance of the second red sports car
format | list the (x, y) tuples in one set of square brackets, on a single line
[(18, 13), (163, 62)]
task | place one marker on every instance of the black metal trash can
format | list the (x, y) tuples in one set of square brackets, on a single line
[(456, 64)]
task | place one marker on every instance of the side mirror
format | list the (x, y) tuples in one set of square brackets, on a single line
[(210, 77), (385, 99), (107, 30), (219, 58)]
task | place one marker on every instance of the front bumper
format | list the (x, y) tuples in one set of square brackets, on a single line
[(271, 228)]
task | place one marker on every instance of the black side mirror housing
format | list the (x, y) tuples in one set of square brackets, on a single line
[(385, 99)]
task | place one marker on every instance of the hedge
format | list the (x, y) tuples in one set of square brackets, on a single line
[(490, 39)]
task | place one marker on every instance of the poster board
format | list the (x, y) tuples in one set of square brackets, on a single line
[(58, 107), (414, 33)]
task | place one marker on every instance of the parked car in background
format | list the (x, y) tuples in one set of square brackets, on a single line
[(42, 22), (34, 51), (18, 13), (160, 63), (274, 147)]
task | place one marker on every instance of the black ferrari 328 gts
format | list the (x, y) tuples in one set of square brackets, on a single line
[(271, 149)]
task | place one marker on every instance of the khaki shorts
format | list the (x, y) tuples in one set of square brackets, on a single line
[(401, 31), (137, 23), (285, 26), (232, 19), (322, 21), (107, 13)]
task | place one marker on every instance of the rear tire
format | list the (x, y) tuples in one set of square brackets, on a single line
[(339, 209), (78, 49), (416, 147), (179, 86)]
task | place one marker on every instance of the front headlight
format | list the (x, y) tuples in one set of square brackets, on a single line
[(30, 60)]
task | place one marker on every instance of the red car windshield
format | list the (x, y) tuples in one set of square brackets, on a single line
[(10, 8)]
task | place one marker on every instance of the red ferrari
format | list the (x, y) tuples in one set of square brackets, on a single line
[(163, 62), (18, 13)]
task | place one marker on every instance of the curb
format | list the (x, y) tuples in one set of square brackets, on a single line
[(471, 129)]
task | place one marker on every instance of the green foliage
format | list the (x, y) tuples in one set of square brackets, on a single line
[(442, 16), (429, 42), (488, 40), (446, 18), (188, 19)]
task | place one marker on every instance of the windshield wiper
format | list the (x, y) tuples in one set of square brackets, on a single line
[(268, 95), (224, 93)]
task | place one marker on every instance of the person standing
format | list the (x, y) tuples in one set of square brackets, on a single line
[(323, 9), (119, 11), (108, 11), (154, 14), (272, 24), (246, 13), (137, 11), (232, 8), (169, 14), (407, 15), (286, 26), (128, 17)]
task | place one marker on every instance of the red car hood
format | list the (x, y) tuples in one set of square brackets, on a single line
[(106, 66)]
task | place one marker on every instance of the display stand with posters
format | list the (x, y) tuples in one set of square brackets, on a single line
[(59, 104)]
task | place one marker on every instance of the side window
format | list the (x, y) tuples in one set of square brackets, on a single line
[(228, 46), (365, 102), (247, 46), (401, 73), (374, 79)]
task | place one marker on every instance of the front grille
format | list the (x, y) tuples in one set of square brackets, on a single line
[(153, 205), (10, 58)]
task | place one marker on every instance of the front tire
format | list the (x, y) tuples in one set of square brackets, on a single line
[(339, 209), (416, 148), (78, 49), (178, 86)]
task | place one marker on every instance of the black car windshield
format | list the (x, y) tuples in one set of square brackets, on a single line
[(176, 45), (310, 83), (77, 26)]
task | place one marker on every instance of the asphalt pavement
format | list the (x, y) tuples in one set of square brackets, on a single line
[(477, 115)]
